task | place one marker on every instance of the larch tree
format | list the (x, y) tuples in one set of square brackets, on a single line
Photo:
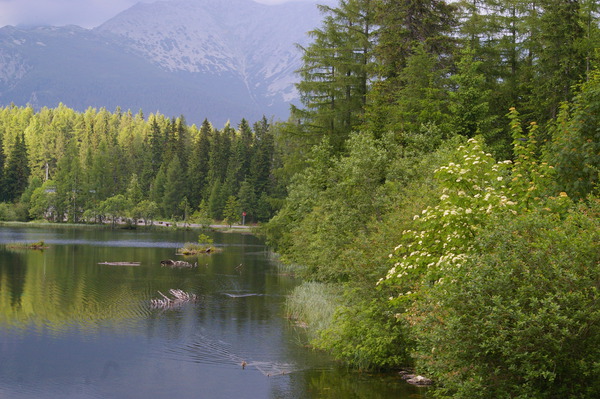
[(335, 72)]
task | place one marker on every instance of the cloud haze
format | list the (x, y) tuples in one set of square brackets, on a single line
[(85, 13)]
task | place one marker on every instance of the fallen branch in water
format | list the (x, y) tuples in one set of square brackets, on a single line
[(179, 298)]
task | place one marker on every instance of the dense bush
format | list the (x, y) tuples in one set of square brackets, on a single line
[(521, 318)]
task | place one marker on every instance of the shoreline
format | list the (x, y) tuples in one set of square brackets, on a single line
[(223, 228)]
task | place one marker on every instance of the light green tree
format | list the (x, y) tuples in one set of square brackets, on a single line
[(202, 215), (231, 212), (114, 208)]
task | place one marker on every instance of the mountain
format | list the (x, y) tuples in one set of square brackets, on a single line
[(221, 60)]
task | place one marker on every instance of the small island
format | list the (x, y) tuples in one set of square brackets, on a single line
[(203, 246), (40, 246)]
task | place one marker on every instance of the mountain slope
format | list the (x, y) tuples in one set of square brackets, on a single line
[(205, 58)]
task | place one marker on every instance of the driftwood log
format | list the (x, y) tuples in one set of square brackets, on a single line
[(179, 298), (177, 263), (120, 263)]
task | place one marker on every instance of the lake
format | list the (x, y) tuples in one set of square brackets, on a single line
[(71, 327)]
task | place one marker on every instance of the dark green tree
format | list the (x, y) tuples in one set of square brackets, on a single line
[(407, 28), (157, 189), (174, 189), (156, 139), (469, 105), (199, 164), (561, 62), (247, 200), (247, 143), (220, 148), (335, 72), (215, 200), (421, 97), (16, 173), (261, 166)]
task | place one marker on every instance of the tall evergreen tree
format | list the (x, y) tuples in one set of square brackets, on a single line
[(247, 143), (16, 173), (247, 200), (181, 140), (157, 140), (199, 165), (575, 146), (69, 183), (174, 188), (406, 28), (421, 96), (561, 62), (262, 157), (470, 101), (335, 72), (157, 188), (216, 201), (219, 154)]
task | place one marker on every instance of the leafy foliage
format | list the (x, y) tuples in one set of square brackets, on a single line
[(519, 319)]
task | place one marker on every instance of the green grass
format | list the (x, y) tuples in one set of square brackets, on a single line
[(312, 305)]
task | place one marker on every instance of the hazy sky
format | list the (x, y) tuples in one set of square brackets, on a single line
[(85, 13)]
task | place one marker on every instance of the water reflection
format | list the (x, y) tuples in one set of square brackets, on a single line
[(71, 327)]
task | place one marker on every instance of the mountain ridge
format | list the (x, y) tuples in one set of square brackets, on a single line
[(202, 59)]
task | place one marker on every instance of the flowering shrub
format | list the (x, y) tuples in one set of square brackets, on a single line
[(473, 188), (498, 281), (476, 190), (520, 319)]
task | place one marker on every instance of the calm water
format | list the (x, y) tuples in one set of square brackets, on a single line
[(73, 328)]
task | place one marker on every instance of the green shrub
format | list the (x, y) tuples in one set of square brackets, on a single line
[(367, 336), (521, 318), (7, 212)]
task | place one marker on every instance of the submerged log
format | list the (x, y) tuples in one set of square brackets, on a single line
[(179, 298)]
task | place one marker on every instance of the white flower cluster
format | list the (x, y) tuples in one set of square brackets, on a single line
[(472, 190)]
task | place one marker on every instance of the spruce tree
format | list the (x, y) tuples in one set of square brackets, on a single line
[(407, 29), (199, 164), (215, 200), (174, 188), (262, 157), (574, 150), (156, 138), (247, 200), (157, 188), (561, 62), (16, 173), (470, 103)]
